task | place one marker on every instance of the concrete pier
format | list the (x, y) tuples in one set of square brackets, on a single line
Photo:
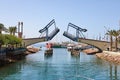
[(75, 52), (49, 51)]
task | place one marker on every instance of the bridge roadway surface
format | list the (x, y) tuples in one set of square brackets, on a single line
[(103, 45)]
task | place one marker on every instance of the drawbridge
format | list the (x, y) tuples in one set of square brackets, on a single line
[(45, 35), (79, 32), (79, 37), (53, 33)]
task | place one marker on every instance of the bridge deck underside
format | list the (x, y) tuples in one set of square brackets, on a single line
[(103, 45), (31, 41)]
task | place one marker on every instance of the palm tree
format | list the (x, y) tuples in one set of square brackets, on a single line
[(110, 33), (12, 30), (116, 34), (1, 28)]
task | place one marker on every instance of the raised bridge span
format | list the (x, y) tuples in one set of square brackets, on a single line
[(101, 45)]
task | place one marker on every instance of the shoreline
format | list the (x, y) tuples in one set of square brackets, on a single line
[(16, 55), (11, 58), (90, 51), (112, 57)]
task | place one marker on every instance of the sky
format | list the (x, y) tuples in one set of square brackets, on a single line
[(36, 14)]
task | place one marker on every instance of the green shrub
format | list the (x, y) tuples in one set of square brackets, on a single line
[(9, 39)]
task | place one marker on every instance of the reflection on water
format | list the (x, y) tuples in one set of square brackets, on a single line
[(113, 72), (60, 66)]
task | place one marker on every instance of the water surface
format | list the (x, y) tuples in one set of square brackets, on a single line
[(60, 66)]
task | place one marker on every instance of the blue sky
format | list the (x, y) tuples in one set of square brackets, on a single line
[(35, 14)]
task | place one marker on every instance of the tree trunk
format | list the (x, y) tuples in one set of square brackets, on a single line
[(111, 43), (116, 43), (0, 32), (13, 33)]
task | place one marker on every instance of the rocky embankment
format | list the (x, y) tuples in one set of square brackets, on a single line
[(91, 51), (113, 57), (31, 49)]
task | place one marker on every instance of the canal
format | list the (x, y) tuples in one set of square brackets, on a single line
[(60, 66)]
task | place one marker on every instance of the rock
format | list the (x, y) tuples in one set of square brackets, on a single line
[(31, 49), (91, 51), (113, 57)]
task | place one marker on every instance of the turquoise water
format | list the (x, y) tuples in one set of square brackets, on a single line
[(60, 66)]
